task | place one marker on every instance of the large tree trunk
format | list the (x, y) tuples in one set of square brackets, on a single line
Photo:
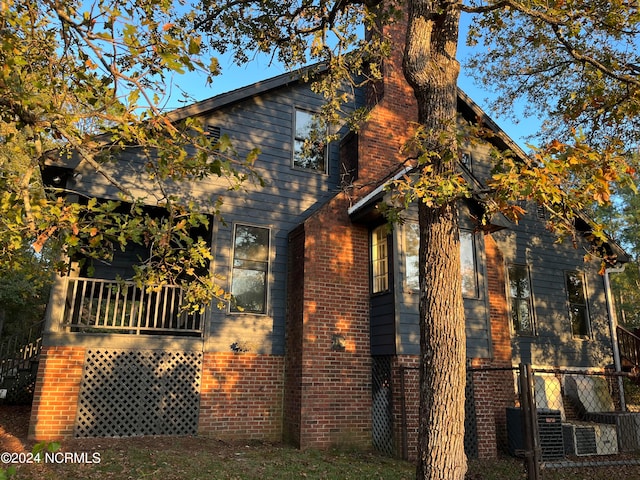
[(431, 68)]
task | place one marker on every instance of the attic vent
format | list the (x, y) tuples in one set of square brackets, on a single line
[(541, 212), (214, 132)]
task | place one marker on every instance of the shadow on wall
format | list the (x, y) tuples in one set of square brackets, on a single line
[(548, 261)]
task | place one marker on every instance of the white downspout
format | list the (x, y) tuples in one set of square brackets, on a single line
[(613, 324)]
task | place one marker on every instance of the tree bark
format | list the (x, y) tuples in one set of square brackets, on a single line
[(431, 68)]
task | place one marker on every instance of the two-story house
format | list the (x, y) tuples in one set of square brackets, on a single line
[(326, 336)]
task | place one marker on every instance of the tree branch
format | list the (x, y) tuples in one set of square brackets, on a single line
[(89, 158), (571, 50), (482, 9)]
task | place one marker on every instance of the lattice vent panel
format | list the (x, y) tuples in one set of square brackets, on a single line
[(139, 392), (382, 412)]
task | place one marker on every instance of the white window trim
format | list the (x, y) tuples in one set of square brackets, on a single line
[(325, 171), (532, 310), (585, 295), (374, 259), (267, 302)]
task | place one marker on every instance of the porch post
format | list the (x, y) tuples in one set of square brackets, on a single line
[(56, 305)]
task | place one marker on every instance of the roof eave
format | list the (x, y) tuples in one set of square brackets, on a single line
[(243, 93)]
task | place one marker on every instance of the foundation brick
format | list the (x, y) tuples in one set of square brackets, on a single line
[(59, 377)]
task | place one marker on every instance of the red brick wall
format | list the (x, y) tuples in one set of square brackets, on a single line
[(498, 305), (241, 396), (382, 138), (494, 390), (55, 399), (328, 395)]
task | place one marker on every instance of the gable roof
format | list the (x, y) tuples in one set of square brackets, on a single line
[(243, 93)]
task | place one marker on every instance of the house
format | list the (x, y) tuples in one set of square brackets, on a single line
[(325, 348)]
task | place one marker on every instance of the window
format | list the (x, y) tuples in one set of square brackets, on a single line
[(520, 298), (468, 264), (467, 160), (309, 150), (250, 269), (578, 311), (467, 260), (379, 260), (411, 249)]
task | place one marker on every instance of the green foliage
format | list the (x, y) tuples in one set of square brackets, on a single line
[(426, 180), (83, 83), (576, 61), (621, 218), (328, 35), (566, 179)]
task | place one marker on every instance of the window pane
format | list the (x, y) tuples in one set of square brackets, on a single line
[(579, 322), (379, 260), (578, 311), (250, 269), (308, 149), (251, 243), (411, 248), (468, 265), (304, 123), (249, 291), (574, 288), (466, 159), (520, 297), (467, 260), (519, 282), (521, 316)]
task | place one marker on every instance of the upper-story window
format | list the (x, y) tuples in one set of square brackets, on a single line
[(379, 260), (468, 262), (250, 269), (467, 160), (309, 148), (578, 309), (520, 299)]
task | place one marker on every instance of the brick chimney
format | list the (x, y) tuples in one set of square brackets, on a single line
[(391, 124)]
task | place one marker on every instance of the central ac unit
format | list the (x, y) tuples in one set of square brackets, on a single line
[(549, 430), (589, 439)]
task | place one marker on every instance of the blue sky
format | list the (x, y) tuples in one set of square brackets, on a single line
[(236, 76)]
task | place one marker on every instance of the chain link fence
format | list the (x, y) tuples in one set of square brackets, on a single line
[(578, 418), (551, 419)]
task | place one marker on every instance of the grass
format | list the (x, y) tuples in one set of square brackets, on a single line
[(172, 458), (202, 458)]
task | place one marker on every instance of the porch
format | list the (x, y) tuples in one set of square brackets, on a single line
[(98, 306)]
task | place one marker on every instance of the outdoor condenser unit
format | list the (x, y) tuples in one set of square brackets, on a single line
[(550, 434), (627, 428), (549, 431), (589, 439)]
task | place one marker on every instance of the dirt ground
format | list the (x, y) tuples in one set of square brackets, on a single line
[(14, 430), (14, 427)]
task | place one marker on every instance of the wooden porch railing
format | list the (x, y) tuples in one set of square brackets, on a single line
[(108, 306), (629, 346), (19, 350)]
